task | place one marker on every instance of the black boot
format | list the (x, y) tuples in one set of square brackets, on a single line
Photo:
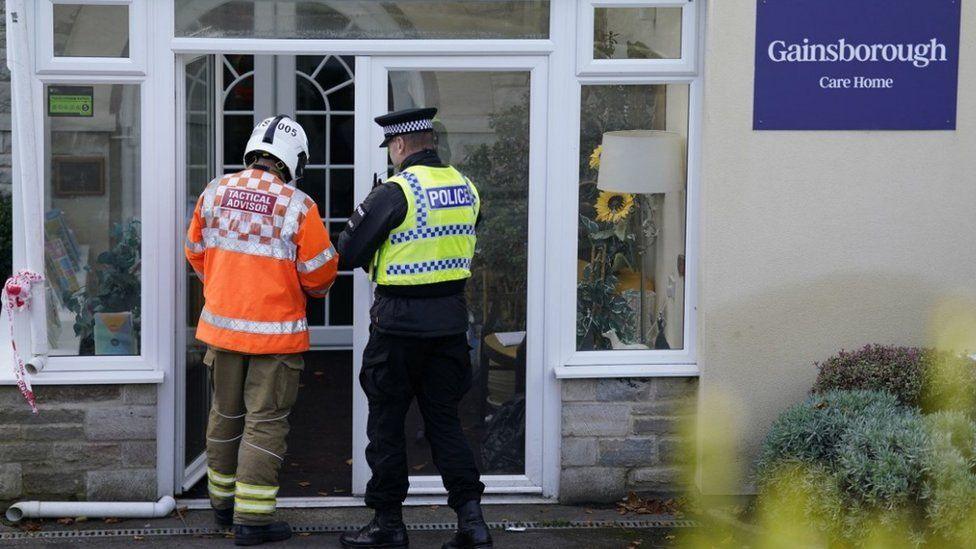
[(256, 535), (224, 517), (386, 530), (472, 531)]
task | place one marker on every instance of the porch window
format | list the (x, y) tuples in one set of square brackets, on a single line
[(630, 291), (637, 33), (91, 30), (363, 19), (92, 219)]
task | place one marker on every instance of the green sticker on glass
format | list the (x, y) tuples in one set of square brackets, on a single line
[(71, 101)]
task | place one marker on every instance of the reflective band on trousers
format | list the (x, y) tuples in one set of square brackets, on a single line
[(317, 261), (253, 498), (221, 486), (255, 326), (254, 491), (219, 491)]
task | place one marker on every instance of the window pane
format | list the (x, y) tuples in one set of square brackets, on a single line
[(630, 267), (483, 130), (91, 31), (363, 19), (637, 33), (92, 220), (340, 302)]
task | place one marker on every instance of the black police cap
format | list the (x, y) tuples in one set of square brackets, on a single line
[(406, 121)]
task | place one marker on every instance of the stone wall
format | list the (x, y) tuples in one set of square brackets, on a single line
[(89, 442), (627, 434)]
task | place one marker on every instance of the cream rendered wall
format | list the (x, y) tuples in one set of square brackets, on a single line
[(816, 241)]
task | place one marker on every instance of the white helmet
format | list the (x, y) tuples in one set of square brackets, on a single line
[(285, 140)]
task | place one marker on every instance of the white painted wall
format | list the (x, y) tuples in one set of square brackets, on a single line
[(816, 241)]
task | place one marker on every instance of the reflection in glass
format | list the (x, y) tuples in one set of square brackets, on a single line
[(92, 228), (91, 31), (630, 291), (201, 168), (483, 130), (351, 19), (637, 33)]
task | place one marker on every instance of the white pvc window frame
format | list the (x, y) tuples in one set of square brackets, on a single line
[(631, 363), (685, 65), (134, 64), (147, 366)]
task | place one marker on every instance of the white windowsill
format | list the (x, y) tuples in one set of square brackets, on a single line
[(92, 378), (627, 370)]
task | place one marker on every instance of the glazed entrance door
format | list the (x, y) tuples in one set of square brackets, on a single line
[(491, 126), (319, 92), (222, 98)]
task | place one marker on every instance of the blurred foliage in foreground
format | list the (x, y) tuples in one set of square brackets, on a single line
[(881, 455)]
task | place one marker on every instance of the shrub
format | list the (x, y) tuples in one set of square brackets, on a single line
[(948, 383), (897, 370), (881, 458), (796, 493), (811, 431), (950, 489), (928, 379), (857, 467)]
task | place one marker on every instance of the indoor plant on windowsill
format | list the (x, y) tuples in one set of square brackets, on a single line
[(114, 286)]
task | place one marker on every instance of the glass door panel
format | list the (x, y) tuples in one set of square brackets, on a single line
[(201, 166), (483, 130), (490, 126)]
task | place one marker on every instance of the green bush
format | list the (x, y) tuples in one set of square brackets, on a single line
[(881, 458), (811, 431), (927, 379), (897, 370), (856, 464), (948, 383)]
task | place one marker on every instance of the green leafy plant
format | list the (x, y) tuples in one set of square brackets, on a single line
[(113, 286)]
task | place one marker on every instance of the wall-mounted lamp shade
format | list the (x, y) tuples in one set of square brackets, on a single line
[(642, 162)]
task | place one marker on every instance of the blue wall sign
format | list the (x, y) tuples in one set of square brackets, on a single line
[(856, 64)]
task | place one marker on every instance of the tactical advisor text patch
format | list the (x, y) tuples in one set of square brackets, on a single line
[(449, 197), (248, 201)]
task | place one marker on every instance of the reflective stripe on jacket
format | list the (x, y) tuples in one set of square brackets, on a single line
[(260, 247), (436, 241)]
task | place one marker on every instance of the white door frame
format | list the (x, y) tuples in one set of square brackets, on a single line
[(372, 159), (545, 61)]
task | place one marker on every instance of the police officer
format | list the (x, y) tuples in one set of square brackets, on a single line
[(260, 247), (415, 234)]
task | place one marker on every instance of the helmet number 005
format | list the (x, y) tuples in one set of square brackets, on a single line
[(288, 129)]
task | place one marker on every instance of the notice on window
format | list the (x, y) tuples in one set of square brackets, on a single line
[(71, 101), (856, 64)]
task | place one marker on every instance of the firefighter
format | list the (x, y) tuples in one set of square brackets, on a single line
[(415, 234), (260, 247)]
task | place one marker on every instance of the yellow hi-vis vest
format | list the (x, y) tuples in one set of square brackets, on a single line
[(435, 242)]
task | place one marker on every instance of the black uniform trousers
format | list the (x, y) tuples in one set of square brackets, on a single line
[(437, 371)]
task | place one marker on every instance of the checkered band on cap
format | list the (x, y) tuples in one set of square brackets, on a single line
[(408, 127)]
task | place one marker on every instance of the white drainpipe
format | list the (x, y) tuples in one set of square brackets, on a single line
[(121, 509)]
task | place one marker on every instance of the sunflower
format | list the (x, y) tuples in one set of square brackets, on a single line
[(595, 157), (613, 207)]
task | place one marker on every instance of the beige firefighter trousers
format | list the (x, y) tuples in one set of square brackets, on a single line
[(252, 397)]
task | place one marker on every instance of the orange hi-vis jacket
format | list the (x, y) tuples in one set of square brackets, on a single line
[(259, 246)]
